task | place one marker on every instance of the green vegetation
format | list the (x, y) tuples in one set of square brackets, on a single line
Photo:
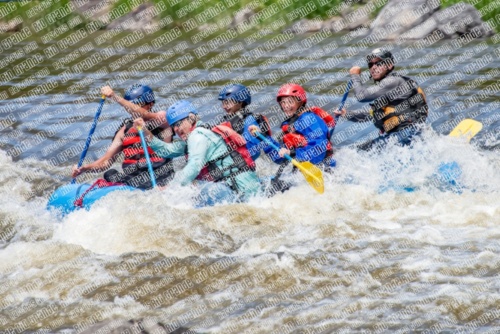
[(199, 11), (487, 8), (50, 14), (205, 11)]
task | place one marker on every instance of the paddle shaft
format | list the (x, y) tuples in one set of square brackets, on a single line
[(146, 154), (270, 143), (344, 98), (91, 132)]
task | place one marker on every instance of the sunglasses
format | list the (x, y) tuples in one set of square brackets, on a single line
[(378, 63)]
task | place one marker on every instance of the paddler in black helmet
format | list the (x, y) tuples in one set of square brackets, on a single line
[(398, 105)]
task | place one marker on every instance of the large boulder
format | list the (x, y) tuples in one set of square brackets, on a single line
[(358, 18), (138, 18), (120, 326), (417, 19), (398, 17), (306, 26), (13, 25), (93, 9), (453, 21), (142, 17)]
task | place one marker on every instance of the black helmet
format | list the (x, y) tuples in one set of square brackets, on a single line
[(382, 54)]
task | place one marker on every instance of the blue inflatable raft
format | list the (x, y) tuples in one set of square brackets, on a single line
[(64, 197)]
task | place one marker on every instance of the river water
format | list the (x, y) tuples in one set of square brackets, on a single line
[(364, 257)]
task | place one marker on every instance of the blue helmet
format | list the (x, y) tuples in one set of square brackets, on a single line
[(236, 92), (139, 94), (180, 110)]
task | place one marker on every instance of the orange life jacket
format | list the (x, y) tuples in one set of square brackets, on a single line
[(134, 153)]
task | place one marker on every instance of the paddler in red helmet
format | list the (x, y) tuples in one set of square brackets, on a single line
[(306, 130)]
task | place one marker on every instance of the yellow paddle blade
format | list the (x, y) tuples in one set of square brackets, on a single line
[(467, 128), (312, 174)]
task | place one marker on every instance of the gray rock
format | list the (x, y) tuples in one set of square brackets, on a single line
[(398, 17), (460, 19), (305, 26), (135, 20), (416, 19), (334, 24), (355, 19), (453, 21), (11, 26), (208, 26), (144, 326), (422, 30), (242, 16), (97, 7)]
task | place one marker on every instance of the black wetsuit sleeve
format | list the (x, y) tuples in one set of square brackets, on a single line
[(369, 94)]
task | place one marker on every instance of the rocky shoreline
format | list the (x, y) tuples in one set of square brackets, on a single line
[(382, 19), (404, 20)]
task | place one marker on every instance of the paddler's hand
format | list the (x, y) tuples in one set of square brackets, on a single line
[(338, 113), (139, 123), (355, 70), (107, 91), (283, 151), (254, 129), (75, 171)]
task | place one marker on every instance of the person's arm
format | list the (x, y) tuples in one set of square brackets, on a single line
[(167, 134), (134, 109), (369, 94), (198, 148), (162, 148), (360, 115), (104, 162), (271, 152)]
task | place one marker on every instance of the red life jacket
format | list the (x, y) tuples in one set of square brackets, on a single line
[(293, 140), (134, 154), (325, 116), (237, 149)]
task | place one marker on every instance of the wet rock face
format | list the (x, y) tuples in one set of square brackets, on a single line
[(397, 17), (135, 20), (140, 17), (407, 20), (412, 20), (144, 326)]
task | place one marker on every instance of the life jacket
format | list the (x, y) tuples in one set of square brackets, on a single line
[(293, 140), (237, 122), (237, 150), (134, 161), (392, 113)]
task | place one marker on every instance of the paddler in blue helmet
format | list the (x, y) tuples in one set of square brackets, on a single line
[(215, 154), (398, 104), (139, 99), (235, 101)]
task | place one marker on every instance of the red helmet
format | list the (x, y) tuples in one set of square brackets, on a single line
[(291, 89)]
